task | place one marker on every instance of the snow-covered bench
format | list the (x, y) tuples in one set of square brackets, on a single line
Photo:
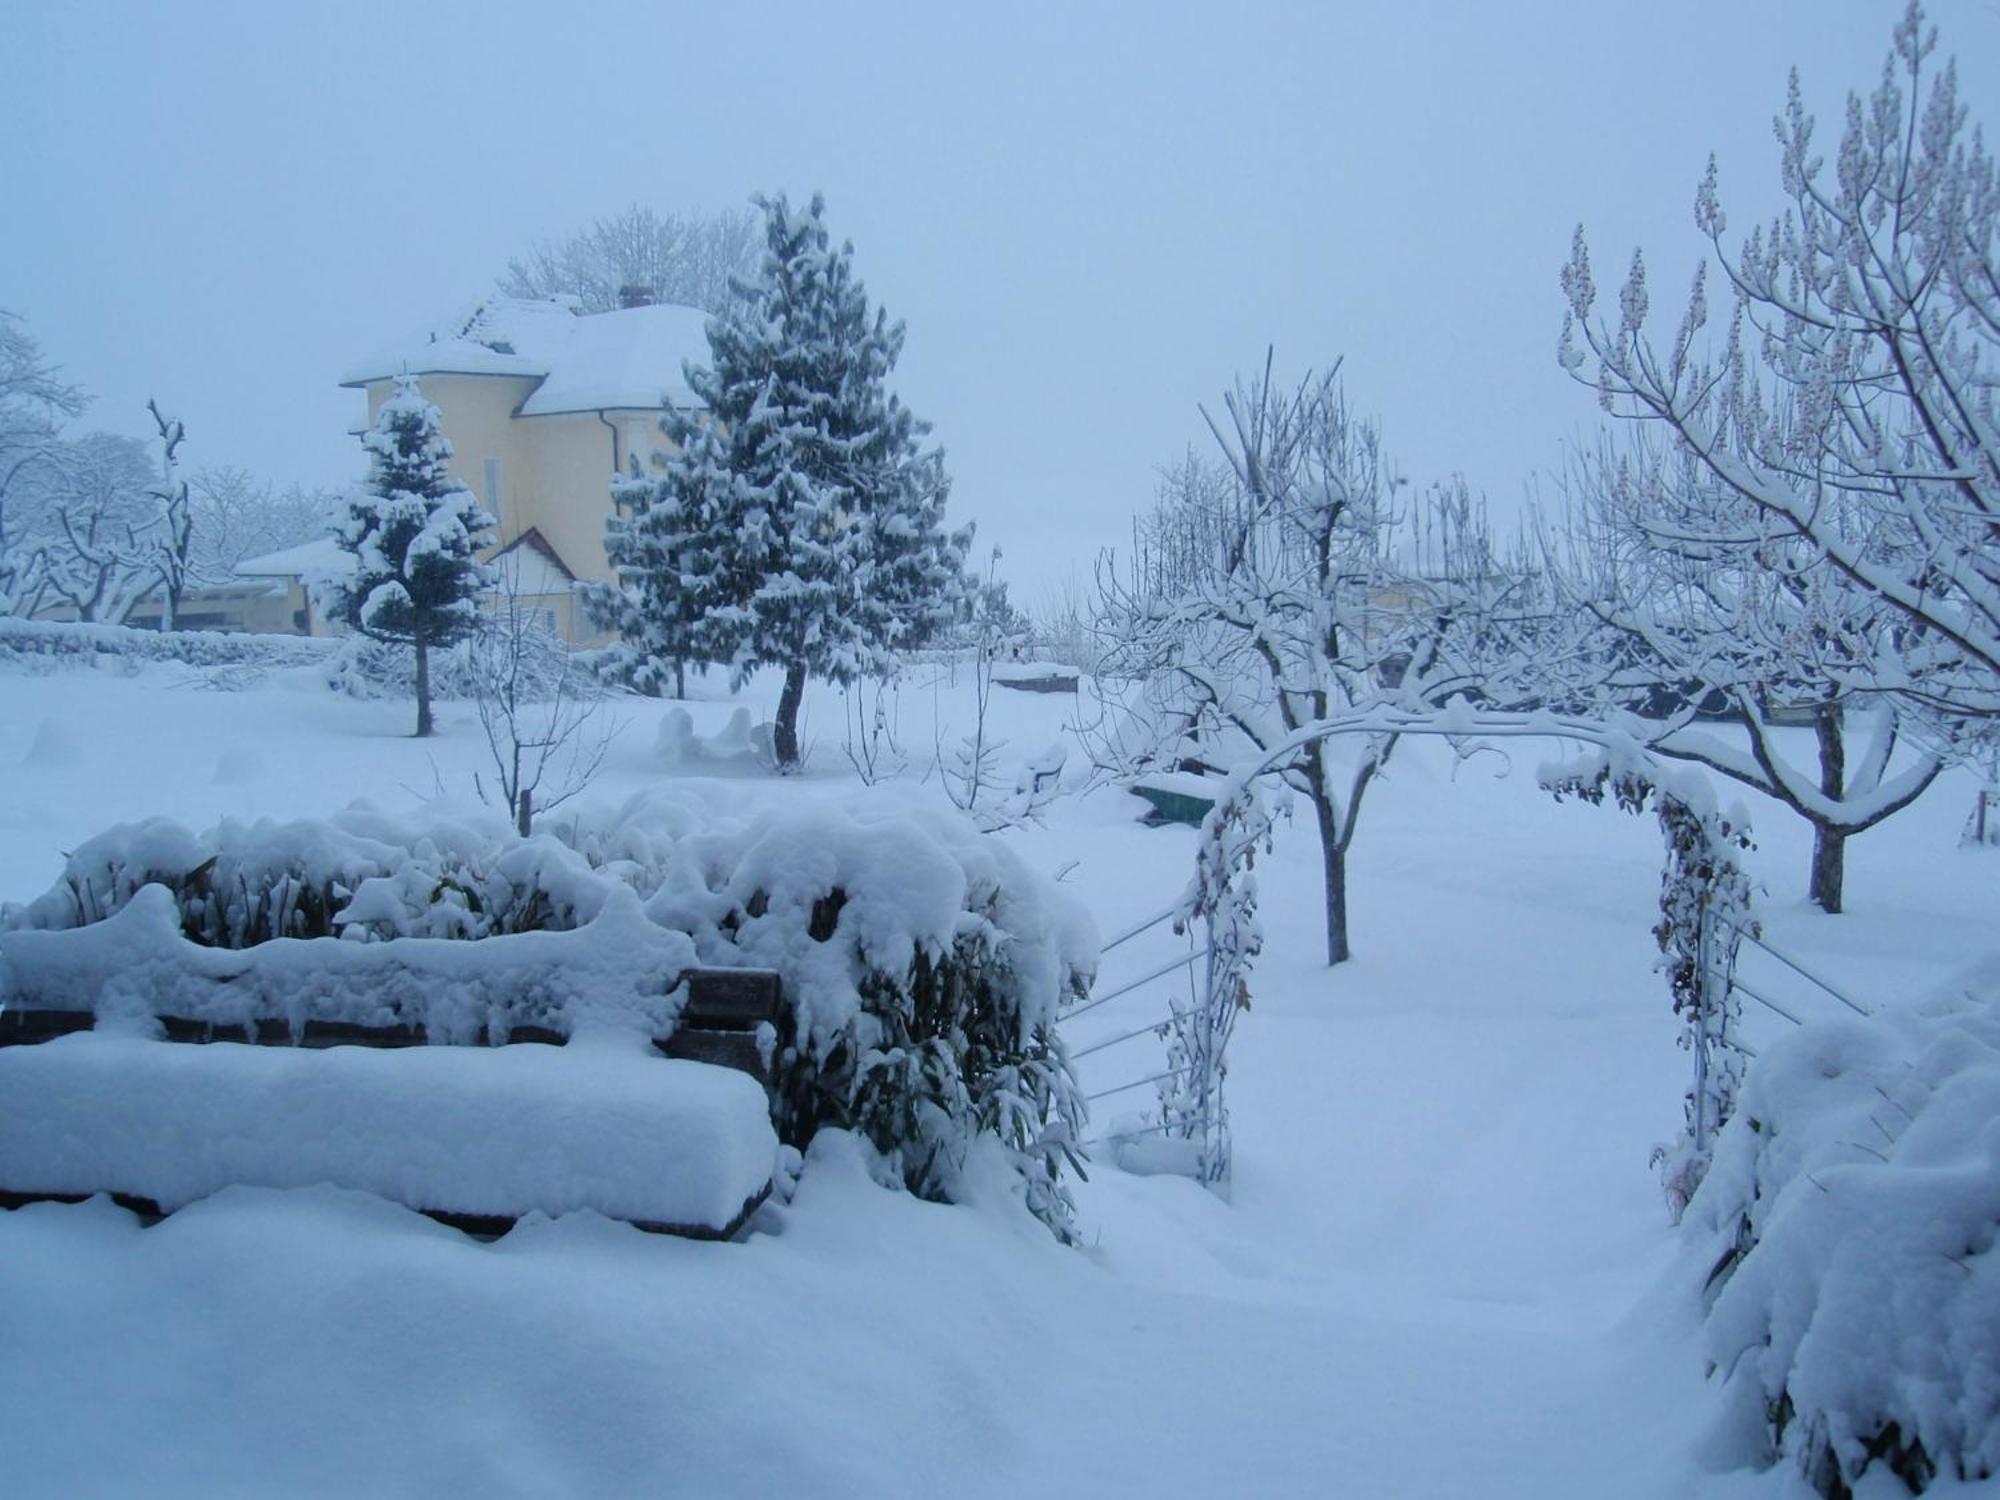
[(585, 1075), (475, 1137)]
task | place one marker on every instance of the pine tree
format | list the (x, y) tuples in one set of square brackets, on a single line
[(413, 530), (653, 611), (799, 524)]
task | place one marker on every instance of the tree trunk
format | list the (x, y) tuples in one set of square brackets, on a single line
[(1829, 868), (1333, 859), (680, 677), (423, 688), (785, 738), (525, 817), (1829, 857)]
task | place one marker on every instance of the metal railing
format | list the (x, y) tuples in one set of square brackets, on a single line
[(1819, 981), (1164, 1018)]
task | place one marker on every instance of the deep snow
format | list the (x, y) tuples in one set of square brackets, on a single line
[(1444, 1267)]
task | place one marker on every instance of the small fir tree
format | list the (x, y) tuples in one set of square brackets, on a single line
[(413, 531), (798, 524)]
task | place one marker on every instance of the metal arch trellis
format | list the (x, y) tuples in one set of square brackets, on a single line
[(1705, 916)]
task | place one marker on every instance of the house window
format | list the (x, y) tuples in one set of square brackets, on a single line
[(496, 477)]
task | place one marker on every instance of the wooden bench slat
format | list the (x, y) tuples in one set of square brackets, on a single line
[(731, 999), (22, 1026), (478, 1226), (728, 1049)]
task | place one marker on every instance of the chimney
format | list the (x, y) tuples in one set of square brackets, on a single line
[(635, 294)]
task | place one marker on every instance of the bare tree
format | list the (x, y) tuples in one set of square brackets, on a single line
[(970, 774), (1719, 612), (1060, 624), (870, 708), (1856, 379), (170, 552), (1288, 604), (237, 515), (34, 403), (539, 710), (683, 258), (93, 509)]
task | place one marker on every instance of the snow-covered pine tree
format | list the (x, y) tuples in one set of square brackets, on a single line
[(414, 531), (650, 541), (799, 525)]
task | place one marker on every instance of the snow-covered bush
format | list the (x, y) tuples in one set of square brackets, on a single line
[(1850, 1218), (364, 668), (923, 964), (359, 875), (738, 743), (51, 642)]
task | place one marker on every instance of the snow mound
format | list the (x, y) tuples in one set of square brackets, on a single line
[(499, 1131), (1851, 1215), (739, 743), (56, 743)]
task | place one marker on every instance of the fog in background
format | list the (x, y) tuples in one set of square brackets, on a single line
[(1091, 217)]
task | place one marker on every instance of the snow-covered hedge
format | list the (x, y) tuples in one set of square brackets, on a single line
[(364, 668), (359, 875), (617, 972), (1851, 1214), (54, 642), (923, 964)]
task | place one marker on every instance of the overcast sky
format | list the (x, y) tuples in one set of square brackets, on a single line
[(1090, 217)]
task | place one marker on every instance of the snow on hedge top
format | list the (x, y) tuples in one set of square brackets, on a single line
[(656, 883), (1860, 1182), (628, 359), (616, 973)]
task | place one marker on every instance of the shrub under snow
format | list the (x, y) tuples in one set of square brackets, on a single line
[(62, 643), (1852, 1210), (369, 669), (923, 964)]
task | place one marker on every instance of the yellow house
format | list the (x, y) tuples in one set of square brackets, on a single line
[(542, 405)]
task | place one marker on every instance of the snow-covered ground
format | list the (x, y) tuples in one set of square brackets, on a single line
[(1444, 1268)]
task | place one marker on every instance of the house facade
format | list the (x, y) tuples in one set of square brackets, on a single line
[(543, 406)]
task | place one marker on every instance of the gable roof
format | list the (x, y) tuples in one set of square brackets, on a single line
[(529, 567), (630, 359)]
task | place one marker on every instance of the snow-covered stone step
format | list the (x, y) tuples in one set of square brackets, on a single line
[(474, 1135)]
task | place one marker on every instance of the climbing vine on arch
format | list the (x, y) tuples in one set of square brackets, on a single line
[(1705, 912)]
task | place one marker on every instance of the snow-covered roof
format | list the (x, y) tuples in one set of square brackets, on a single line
[(628, 359), (320, 555)]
